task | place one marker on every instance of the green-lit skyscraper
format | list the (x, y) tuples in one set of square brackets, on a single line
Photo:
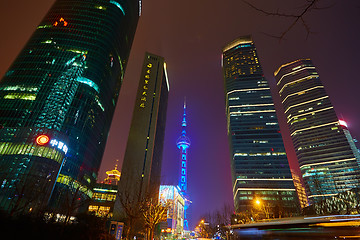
[(260, 169), (57, 101)]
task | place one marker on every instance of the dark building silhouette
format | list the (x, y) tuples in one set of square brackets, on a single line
[(141, 169), (57, 102), (260, 170), (327, 155)]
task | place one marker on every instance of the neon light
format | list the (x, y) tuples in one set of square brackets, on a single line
[(249, 89), (324, 109), (236, 113), (329, 162), (60, 145), (166, 77), (118, 5), (89, 83), (253, 105), (104, 190), (296, 70), (65, 23), (7, 148), (298, 80), (265, 189), (298, 93), (264, 179), (21, 96), (325, 195), (299, 104), (304, 129), (260, 179), (343, 123), (69, 181), (236, 42), (287, 64), (42, 140), (262, 189)]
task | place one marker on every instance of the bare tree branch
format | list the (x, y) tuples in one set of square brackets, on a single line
[(296, 18)]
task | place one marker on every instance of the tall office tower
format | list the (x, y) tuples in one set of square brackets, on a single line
[(183, 143), (327, 155), (260, 169), (141, 169), (58, 99)]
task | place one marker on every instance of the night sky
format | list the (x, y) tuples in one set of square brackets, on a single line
[(190, 35)]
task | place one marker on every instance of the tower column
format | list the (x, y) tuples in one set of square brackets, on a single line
[(183, 143)]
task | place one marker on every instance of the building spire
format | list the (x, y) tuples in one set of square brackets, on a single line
[(184, 116)]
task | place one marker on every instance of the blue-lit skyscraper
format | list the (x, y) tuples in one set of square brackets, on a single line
[(57, 101), (260, 169), (183, 143)]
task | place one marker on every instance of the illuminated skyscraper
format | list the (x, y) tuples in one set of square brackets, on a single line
[(327, 155), (141, 169), (183, 143), (58, 99), (260, 168)]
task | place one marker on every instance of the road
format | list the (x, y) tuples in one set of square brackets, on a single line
[(319, 228)]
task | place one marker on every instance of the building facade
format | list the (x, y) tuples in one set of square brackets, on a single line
[(58, 99), (141, 169), (300, 190), (104, 195), (327, 155), (176, 213), (260, 169)]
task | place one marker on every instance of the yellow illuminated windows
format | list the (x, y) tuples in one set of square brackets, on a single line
[(21, 96)]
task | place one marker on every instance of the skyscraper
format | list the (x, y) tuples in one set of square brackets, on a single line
[(327, 155), (260, 169), (183, 143), (141, 169), (58, 99)]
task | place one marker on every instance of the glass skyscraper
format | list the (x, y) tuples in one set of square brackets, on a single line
[(326, 152), (260, 169), (57, 102), (141, 168)]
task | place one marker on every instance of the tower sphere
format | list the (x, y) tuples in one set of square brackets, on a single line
[(183, 142)]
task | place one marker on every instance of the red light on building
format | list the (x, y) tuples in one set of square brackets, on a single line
[(42, 140), (343, 123), (65, 23)]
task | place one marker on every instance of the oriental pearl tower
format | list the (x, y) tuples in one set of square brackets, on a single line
[(183, 143)]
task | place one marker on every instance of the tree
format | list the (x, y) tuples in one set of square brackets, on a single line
[(132, 209), (153, 213), (298, 17), (215, 223)]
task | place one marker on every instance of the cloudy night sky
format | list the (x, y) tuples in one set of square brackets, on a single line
[(190, 35)]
